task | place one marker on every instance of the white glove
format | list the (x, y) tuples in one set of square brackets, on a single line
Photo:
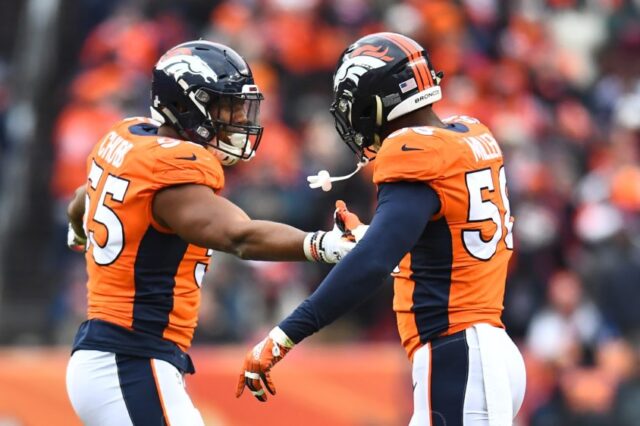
[(359, 232), (328, 247), (74, 241)]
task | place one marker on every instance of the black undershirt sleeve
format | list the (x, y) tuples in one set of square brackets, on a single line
[(403, 210)]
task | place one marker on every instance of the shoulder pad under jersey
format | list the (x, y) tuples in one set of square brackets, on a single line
[(409, 154), (181, 162)]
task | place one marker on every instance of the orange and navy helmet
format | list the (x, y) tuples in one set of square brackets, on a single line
[(379, 78)]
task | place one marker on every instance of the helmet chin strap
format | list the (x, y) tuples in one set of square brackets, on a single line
[(238, 145), (324, 180)]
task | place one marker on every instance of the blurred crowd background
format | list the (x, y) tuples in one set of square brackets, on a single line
[(557, 81)]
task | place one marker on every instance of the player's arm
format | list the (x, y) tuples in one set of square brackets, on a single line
[(202, 218), (76, 239), (403, 212)]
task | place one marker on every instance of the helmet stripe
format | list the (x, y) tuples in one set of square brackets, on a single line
[(399, 42), (413, 55), (424, 66), (413, 51)]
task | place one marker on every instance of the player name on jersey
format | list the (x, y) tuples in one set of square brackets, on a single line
[(114, 148), (484, 147)]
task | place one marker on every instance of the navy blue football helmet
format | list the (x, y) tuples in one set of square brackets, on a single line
[(206, 92), (379, 78)]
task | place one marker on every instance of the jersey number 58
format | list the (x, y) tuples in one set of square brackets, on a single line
[(481, 210)]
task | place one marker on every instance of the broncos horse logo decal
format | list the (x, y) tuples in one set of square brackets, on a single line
[(361, 60), (179, 64)]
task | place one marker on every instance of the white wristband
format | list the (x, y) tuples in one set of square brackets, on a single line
[(306, 246), (311, 246), (279, 336)]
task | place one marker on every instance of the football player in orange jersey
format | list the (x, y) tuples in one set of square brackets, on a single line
[(442, 228), (148, 220)]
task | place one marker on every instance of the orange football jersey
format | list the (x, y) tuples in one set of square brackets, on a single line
[(143, 277), (455, 275)]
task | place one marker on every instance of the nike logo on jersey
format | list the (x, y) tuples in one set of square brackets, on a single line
[(192, 158), (409, 148)]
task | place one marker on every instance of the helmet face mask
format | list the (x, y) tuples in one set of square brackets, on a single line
[(235, 123), (341, 111), (379, 78), (357, 135), (205, 91)]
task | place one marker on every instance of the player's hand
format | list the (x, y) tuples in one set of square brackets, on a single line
[(349, 223), (333, 246), (76, 242), (258, 362)]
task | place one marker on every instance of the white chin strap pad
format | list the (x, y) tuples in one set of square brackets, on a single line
[(234, 148)]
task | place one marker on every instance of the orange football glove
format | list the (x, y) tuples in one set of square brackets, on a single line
[(349, 223), (258, 363)]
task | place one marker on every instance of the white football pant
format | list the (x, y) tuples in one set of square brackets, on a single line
[(472, 378), (106, 389)]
